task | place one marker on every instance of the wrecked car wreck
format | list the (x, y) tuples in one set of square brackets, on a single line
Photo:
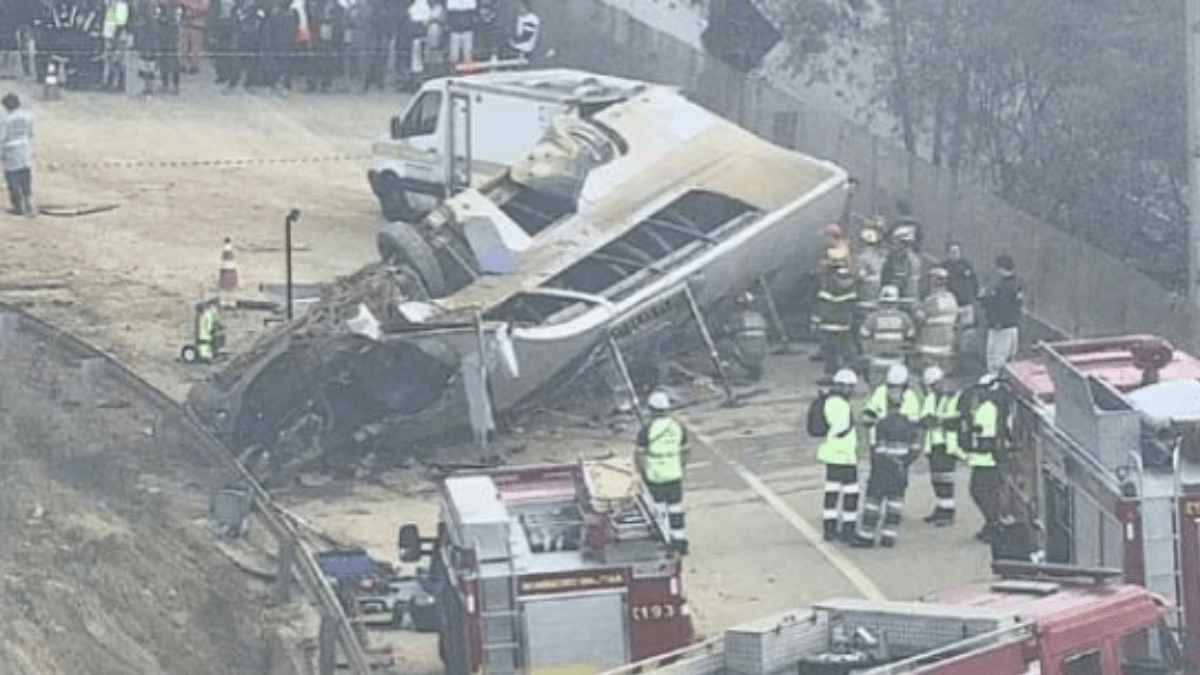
[(618, 217)]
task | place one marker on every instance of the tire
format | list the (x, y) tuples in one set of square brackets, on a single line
[(189, 354), (399, 245), (393, 200)]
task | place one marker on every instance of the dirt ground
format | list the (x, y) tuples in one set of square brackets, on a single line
[(175, 169)]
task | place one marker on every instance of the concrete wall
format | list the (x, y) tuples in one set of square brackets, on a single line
[(1074, 287)]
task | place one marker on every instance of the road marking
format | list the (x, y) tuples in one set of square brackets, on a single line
[(847, 568)]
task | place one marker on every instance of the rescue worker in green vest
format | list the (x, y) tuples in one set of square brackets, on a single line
[(838, 451), (939, 423), (208, 331), (895, 386), (895, 443), (982, 444), (661, 455)]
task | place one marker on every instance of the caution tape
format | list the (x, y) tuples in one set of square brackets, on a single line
[(187, 163)]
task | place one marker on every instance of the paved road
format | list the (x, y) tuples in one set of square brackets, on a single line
[(754, 503)]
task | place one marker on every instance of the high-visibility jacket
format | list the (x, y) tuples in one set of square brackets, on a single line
[(877, 405), (662, 440), (836, 303), (205, 332), (984, 427), (887, 332), (840, 445), (939, 324), (939, 415)]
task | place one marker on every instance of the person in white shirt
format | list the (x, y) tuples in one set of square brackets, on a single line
[(461, 17)]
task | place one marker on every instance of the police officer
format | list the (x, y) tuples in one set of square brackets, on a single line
[(894, 440), (661, 456), (939, 423), (886, 333), (838, 451), (937, 320), (834, 320), (982, 445)]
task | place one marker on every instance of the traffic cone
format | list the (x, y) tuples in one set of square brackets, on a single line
[(229, 276)]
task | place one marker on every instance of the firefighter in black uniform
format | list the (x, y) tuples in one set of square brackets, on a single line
[(895, 443)]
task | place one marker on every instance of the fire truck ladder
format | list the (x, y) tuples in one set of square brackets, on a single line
[(499, 618)]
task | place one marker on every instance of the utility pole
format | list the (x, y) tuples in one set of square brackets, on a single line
[(1192, 21)]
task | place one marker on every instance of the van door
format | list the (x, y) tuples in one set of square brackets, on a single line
[(420, 135), (458, 168)]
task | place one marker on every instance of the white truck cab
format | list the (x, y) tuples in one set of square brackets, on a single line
[(461, 131)]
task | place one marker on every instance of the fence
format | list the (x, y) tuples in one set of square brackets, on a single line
[(1073, 287)]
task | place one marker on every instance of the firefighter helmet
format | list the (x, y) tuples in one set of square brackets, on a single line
[(658, 400), (931, 375), (889, 293), (845, 376), (897, 375), (938, 276), (987, 380), (869, 235)]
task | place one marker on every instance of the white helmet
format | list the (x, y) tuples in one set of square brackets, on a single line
[(889, 293), (897, 374), (658, 400), (987, 380), (932, 374), (845, 376)]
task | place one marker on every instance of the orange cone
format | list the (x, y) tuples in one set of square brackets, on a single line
[(229, 277)]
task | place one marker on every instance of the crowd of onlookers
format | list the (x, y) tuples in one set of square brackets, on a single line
[(314, 45)]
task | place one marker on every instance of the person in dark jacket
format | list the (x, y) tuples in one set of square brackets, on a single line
[(278, 40), (166, 24), (1002, 305)]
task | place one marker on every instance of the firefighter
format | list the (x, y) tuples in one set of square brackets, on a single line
[(834, 319), (661, 455), (744, 336), (837, 249), (886, 334), (838, 451), (902, 268), (937, 320), (983, 422), (939, 423), (868, 264), (894, 442)]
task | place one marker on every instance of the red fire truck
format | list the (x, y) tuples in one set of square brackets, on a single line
[(552, 568), (1106, 457)]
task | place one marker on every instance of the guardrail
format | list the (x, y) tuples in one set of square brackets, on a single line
[(285, 532)]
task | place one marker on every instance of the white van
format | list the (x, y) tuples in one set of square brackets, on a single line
[(460, 131)]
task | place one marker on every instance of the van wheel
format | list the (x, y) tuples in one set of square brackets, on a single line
[(393, 200), (400, 245)]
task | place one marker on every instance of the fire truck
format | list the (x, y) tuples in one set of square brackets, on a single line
[(1106, 460), (1034, 619), (562, 567)]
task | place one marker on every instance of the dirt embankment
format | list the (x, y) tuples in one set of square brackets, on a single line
[(107, 565)]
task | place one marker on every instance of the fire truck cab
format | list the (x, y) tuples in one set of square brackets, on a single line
[(1105, 458), (562, 568)]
